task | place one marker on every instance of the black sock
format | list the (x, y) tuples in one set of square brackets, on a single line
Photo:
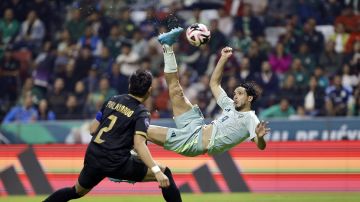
[(62, 195), (171, 193)]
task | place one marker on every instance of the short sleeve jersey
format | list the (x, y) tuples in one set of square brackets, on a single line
[(122, 117), (231, 127)]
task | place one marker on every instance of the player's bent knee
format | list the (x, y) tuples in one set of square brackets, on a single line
[(81, 191)]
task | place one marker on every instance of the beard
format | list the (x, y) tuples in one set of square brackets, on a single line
[(239, 107)]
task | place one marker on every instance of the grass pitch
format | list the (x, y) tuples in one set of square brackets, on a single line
[(266, 197)]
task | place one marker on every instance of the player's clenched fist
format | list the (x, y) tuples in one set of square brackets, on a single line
[(162, 179), (226, 52)]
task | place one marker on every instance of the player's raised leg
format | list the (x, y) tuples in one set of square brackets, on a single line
[(157, 134), (180, 104)]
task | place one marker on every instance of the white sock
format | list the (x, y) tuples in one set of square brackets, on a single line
[(169, 59)]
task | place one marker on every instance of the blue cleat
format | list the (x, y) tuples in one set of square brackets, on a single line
[(169, 38)]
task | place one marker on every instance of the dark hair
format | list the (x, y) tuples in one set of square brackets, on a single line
[(252, 89), (140, 82)]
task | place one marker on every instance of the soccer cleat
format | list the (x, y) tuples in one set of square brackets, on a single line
[(169, 38)]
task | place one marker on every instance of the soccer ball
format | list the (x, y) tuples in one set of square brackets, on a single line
[(197, 34)]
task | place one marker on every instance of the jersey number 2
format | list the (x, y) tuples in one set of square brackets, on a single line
[(98, 139)]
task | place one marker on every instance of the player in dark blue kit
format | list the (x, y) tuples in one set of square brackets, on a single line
[(119, 127)]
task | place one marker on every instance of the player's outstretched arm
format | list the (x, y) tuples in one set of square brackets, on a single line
[(215, 80), (145, 156), (261, 130)]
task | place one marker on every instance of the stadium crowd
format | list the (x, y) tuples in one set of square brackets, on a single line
[(61, 59)]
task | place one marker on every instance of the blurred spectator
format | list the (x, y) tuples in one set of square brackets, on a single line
[(155, 59), (199, 60), (300, 74), (160, 95), (196, 87), (127, 60), (353, 38), (300, 114), (36, 93), (313, 38), (321, 78), (91, 82), (80, 93), (22, 114), (264, 45), (338, 98), (240, 42), (86, 7), (197, 17), (245, 72), (20, 8), (225, 22), (111, 8), (64, 43), (314, 101), (89, 39), (355, 108), (46, 14), (218, 39), (98, 97), (83, 63), (349, 19), (69, 75), (290, 39), (9, 76), (307, 59), (292, 92), (355, 111), (268, 81), (280, 60), (114, 41), (330, 59), (104, 61), (127, 25), (149, 26), (32, 32), (99, 23), (118, 80), (349, 78), (44, 66), (256, 57), (45, 114), (296, 24), (278, 10), (249, 24), (105, 90), (309, 9), (340, 37), (72, 110), (9, 27), (281, 110), (140, 45), (57, 97), (353, 58), (76, 25)]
